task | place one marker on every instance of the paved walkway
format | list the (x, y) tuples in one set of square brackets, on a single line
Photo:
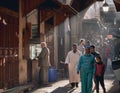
[(63, 86)]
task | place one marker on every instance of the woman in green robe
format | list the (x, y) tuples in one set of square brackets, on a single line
[(87, 69)]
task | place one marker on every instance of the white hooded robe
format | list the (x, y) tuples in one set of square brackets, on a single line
[(72, 60)]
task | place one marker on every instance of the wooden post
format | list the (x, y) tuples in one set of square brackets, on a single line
[(22, 63)]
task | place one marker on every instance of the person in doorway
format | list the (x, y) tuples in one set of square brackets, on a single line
[(87, 68), (72, 61), (44, 63), (99, 74), (81, 46), (93, 52)]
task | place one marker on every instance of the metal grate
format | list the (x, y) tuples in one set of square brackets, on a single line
[(8, 71)]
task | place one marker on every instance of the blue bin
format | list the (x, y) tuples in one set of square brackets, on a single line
[(52, 75)]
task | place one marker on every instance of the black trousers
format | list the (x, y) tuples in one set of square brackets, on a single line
[(100, 79), (74, 84)]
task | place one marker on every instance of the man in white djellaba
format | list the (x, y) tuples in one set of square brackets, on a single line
[(72, 61)]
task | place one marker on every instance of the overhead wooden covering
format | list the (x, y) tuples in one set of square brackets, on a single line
[(117, 4), (61, 12), (65, 10), (29, 5), (48, 9), (59, 18), (80, 5)]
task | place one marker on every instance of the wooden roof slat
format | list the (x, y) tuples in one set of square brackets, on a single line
[(63, 9), (8, 12), (29, 5)]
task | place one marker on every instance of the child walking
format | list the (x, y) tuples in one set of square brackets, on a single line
[(99, 75)]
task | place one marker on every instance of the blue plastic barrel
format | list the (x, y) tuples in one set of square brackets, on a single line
[(52, 75)]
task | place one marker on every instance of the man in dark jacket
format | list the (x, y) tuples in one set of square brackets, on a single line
[(93, 52)]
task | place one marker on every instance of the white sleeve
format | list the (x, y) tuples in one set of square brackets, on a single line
[(67, 59), (80, 53)]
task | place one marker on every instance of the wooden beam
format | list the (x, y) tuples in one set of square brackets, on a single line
[(80, 5), (46, 14), (8, 12), (29, 5), (59, 19), (61, 14), (117, 4)]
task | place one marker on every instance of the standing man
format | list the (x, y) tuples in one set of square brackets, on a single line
[(93, 51), (81, 46), (95, 54), (72, 61), (87, 69), (44, 63)]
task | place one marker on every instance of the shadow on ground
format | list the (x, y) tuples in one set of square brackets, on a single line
[(109, 75), (60, 90), (64, 89), (115, 87)]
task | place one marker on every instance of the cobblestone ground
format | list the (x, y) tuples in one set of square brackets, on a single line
[(112, 85)]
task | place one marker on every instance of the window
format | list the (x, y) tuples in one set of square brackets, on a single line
[(35, 49)]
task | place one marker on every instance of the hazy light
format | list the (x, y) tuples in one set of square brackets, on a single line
[(105, 7), (119, 28), (115, 21)]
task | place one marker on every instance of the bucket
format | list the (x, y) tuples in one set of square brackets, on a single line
[(52, 75)]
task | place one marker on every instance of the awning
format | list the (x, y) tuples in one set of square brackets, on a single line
[(80, 5), (60, 13), (29, 5), (117, 4), (63, 13)]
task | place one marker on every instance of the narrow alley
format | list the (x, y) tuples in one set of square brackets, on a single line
[(62, 86), (63, 36)]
